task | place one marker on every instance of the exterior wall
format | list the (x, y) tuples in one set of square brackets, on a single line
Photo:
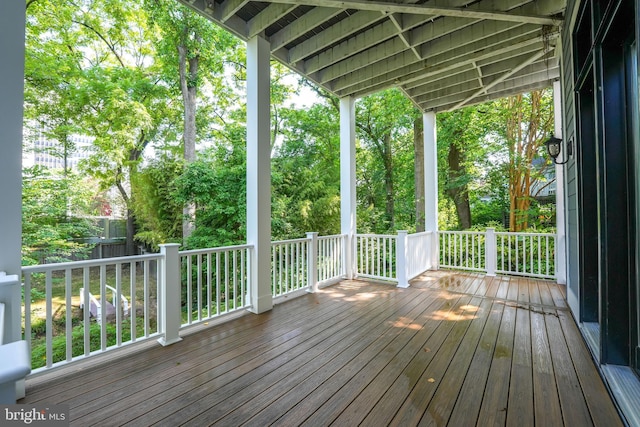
[(571, 171)]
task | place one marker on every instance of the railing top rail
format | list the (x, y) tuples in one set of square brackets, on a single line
[(40, 268), (284, 242), (460, 232), (384, 236), (332, 236), (517, 233), (214, 250)]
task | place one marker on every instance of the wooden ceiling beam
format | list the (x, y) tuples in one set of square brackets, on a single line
[(500, 79), (421, 9), (301, 26), (270, 14)]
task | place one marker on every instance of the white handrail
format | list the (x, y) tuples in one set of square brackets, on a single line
[(206, 283), (119, 275), (521, 254)]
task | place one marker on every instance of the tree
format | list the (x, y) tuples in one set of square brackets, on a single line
[(461, 136), (528, 120), (54, 211), (193, 51), (384, 122), (53, 71), (306, 173), (157, 213), (216, 185), (418, 171)]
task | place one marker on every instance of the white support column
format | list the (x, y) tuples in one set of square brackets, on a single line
[(431, 182), (259, 174), (402, 247), (490, 251), (12, 27), (12, 33), (561, 253), (169, 298), (348, 180), (312, 262)]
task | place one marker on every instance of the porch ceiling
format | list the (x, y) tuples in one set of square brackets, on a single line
[(444, 54)]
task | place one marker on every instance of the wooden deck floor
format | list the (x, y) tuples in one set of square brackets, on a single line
[(453, 349)]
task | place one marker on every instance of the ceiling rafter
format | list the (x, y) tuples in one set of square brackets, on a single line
[(462, 43), (402, 34), (479, 70), (265, 18), (419, 71), (339, 31), (464, 82), (442, 53), (420, 36), (354, 45), (421, 9), (503, 90), (386, 31), (301, 25), (502, 78), (421, 29), (228, 8)]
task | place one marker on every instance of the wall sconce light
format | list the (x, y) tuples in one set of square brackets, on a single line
[(554, 147)]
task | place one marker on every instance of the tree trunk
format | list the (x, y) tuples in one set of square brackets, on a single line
[(130, 247), (418, 172), (131, 225), (526, 128), (388, 182), (458, 192), (189, 89)]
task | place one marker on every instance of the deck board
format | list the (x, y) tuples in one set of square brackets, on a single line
[(469, 400), (453, 349)]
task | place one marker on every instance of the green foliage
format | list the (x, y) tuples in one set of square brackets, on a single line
[(305, 173), (466, 156), (54, 225), (158, 214), (179, 27), (59, 342), (216, 183), (384, 158)]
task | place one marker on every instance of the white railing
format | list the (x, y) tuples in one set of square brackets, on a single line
[(53, 290), (214, 282), (331, 258), (526, 254), (289, 266), (95, 305), (376, 256), (172, 290), (306, 263), (418, 254), (523, 254), (159, 293), (462, 250)]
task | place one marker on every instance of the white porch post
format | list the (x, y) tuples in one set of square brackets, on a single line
[(169, 298), (12, 27), (348, 180), (12, 31), (312, 261), (402, 258), (490, 251), (431, 183), (259, 174), (561, 254)]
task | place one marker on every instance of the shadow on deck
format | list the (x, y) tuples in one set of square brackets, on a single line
[(454, 349)]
